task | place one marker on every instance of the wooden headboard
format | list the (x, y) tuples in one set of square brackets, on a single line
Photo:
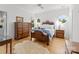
[(48, 22)]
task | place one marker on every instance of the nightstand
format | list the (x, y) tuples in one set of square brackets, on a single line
[(60, 34)]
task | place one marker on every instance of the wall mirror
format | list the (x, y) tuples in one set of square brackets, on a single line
[(19, 19), (3, 25)]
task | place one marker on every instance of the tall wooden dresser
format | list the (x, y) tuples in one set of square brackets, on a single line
[(22, 30)]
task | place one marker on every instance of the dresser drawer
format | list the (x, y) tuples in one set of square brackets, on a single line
[(19, 36), (25, 34)]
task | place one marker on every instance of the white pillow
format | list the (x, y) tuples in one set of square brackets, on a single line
[(47, 26)]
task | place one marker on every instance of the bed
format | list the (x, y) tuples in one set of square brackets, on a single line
[(45, 33)]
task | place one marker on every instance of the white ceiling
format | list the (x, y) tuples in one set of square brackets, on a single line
[(33, 8)]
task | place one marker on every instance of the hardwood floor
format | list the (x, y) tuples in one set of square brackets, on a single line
[(57, 45)]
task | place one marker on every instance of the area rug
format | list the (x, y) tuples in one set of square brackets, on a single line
[(29, 47)]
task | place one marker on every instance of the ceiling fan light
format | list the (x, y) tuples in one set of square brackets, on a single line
[(39, 5)]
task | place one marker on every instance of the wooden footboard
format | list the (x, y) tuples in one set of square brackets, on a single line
[(40, 37)]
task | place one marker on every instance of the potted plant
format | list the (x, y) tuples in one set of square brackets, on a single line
[(38, 20), (62, 20), (61, 23)]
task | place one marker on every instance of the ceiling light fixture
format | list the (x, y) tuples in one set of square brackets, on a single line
[(40, 5)]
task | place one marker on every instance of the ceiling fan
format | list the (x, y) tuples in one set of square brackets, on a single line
[(40, 5)]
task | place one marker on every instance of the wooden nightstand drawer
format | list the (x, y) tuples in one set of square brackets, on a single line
[(60, 33)]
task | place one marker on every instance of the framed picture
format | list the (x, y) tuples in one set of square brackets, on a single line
[(19, 19)]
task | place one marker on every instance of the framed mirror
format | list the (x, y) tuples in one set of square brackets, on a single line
[(19, 19), (3, 25)]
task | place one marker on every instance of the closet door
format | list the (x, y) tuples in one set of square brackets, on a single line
[(3, 25)]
